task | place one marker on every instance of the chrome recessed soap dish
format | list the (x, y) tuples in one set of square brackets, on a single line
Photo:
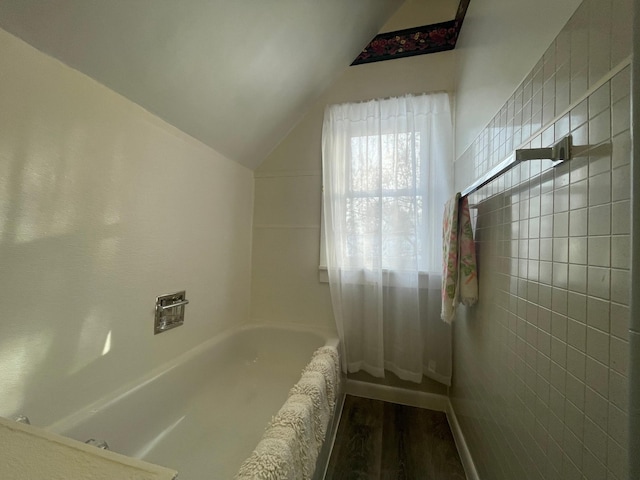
[(169, 311)]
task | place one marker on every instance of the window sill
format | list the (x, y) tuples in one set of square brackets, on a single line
[(323, 274), (428, 280)]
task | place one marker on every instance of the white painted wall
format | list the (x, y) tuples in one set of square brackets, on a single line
[(634, 324), (286, 240), (499, 44), (103, 207)]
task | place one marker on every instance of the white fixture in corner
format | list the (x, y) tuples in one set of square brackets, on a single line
[(31, 452)]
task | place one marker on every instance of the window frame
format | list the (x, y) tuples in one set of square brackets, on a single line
[(420, 191)]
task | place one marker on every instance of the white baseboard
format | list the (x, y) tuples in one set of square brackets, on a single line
[(412, 398), (461, 444)]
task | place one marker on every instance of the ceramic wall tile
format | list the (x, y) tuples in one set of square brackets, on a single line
[(555, 288)]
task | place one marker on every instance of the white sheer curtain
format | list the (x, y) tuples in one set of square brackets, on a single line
[(387, 174)]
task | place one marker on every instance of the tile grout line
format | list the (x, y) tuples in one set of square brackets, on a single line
[(590, 91)]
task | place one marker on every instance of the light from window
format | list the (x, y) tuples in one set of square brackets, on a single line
[(386, 175), (384, 206)]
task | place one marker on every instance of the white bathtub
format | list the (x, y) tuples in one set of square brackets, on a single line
[(204, 413)]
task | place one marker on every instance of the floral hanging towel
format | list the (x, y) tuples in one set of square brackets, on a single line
[(468, 268), (459, 268), (449, 258)]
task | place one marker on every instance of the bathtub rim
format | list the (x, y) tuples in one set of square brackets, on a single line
[(66, 423)]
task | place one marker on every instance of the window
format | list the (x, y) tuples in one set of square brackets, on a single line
[(391, 185), (386, 167), (389, 179)]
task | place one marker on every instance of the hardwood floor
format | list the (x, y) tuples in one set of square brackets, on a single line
[(381, 440)]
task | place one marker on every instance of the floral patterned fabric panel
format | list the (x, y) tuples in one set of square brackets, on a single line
[(459, 267), (412, 41), (437, 37), (449, 258), (468, 268)]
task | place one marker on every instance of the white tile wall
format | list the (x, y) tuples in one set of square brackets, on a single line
[(540, 375)]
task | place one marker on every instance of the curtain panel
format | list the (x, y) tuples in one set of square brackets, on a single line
[(387, 172)]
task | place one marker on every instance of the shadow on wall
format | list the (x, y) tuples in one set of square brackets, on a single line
[(60, 232), (103, 206)]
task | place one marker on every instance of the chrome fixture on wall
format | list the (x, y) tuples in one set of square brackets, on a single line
[(169, 311), (98, 443), (559, 153), (23, 419)]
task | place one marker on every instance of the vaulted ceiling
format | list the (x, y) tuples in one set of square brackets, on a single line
[(235, 74)]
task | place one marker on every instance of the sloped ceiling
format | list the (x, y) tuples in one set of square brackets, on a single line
[(235, 74), (413, 13)]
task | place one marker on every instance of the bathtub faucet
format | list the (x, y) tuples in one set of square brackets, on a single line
[(23, 419), (98, 443)]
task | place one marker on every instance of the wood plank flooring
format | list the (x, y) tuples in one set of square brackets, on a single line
[(381, 440)]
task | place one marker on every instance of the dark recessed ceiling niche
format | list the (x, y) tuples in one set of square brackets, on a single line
[(437, 37)]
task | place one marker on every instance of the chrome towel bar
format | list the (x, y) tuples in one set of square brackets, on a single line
[(172, 305), (559, 153), (169, 311)]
